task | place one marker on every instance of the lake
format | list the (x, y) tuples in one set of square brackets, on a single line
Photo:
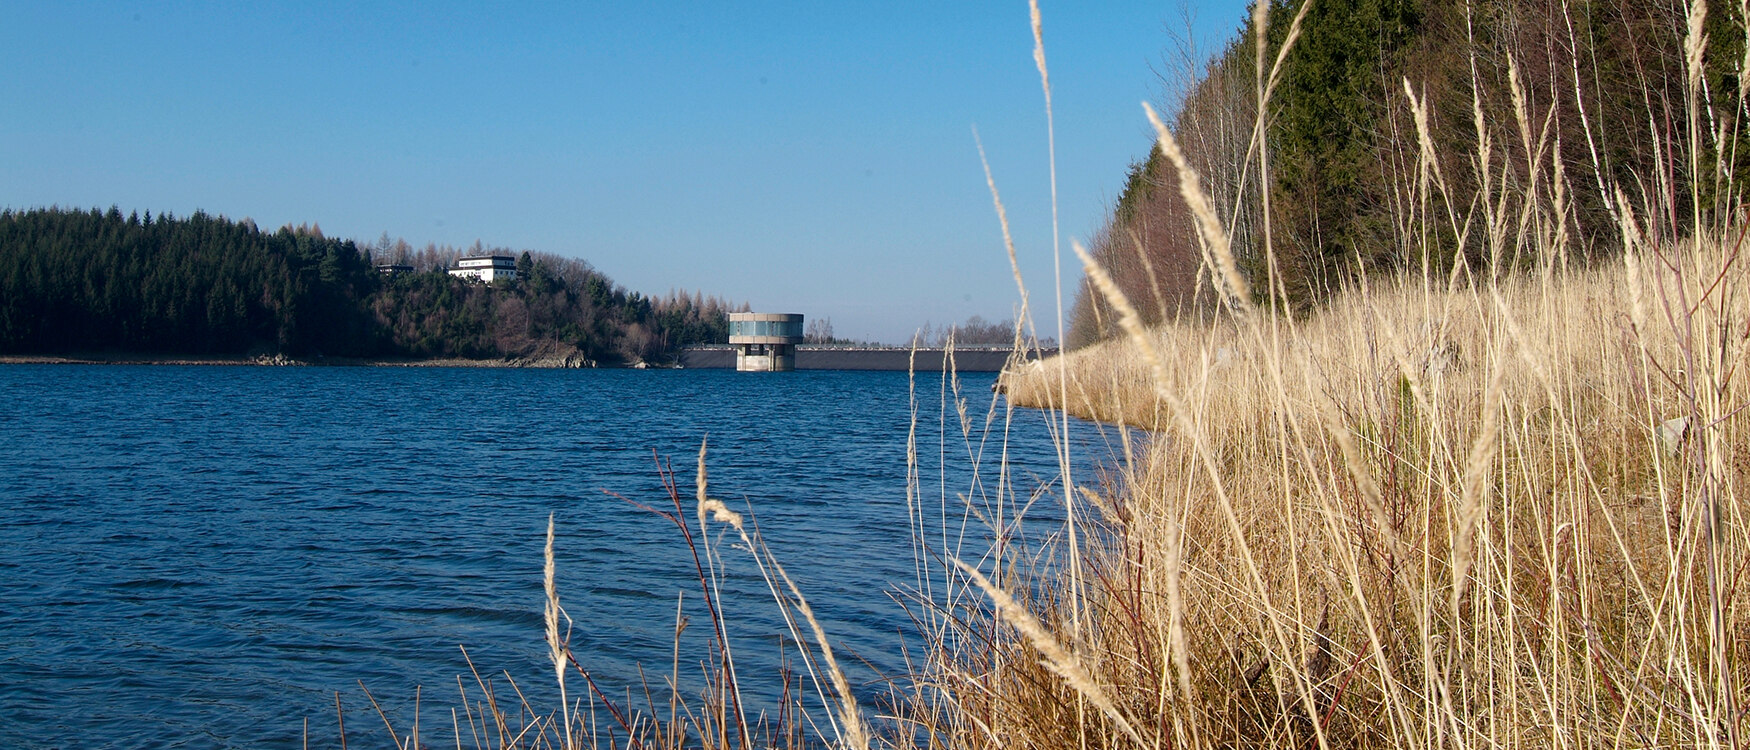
[(205, 556)]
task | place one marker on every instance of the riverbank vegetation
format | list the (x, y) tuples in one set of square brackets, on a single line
[(1456, 464), (94, 281), (1434, 422), (1502, 512)]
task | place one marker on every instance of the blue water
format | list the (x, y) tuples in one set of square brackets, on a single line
[(205, 556)]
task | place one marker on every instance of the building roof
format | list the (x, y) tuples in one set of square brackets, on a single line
[(481, 261)]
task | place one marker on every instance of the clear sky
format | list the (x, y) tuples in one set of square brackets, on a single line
[(813, 157)]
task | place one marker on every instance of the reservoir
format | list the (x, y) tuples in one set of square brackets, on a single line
[(205, 556)]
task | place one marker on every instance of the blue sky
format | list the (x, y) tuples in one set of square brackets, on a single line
[(810, 157)]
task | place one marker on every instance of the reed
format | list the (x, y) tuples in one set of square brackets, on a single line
[(1513, 509), (1496, 509)]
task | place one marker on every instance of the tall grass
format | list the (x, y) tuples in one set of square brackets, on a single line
[(1501, 514), (1496, 507), (1466, 506)]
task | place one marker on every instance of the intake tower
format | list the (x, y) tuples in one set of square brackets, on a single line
[(765, 342)]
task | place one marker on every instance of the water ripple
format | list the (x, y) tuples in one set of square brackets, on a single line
[(205, 556)]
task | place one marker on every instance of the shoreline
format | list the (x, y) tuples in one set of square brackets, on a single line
[(280, 360), (700, 358)]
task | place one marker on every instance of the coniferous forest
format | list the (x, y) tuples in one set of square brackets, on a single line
[(75, 281)]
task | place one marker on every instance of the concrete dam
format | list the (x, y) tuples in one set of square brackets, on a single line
[(865, 358)]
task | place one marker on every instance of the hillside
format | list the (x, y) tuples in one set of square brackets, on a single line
[(87, 281), (1588, 95)]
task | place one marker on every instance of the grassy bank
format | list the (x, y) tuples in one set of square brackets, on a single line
[(1474, 503), (1498, 512)]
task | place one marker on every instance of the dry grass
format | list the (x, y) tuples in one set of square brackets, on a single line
[(1500, 515), (1470, 509)]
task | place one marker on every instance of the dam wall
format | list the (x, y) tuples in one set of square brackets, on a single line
[(861, 358)]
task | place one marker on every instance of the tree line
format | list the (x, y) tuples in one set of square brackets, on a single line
[(92, 281), (1593, 91)]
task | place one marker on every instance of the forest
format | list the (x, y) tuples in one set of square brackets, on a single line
[(1327, 172), (85, 281)]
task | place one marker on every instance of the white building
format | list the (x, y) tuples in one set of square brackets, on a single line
[(487, 268)]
